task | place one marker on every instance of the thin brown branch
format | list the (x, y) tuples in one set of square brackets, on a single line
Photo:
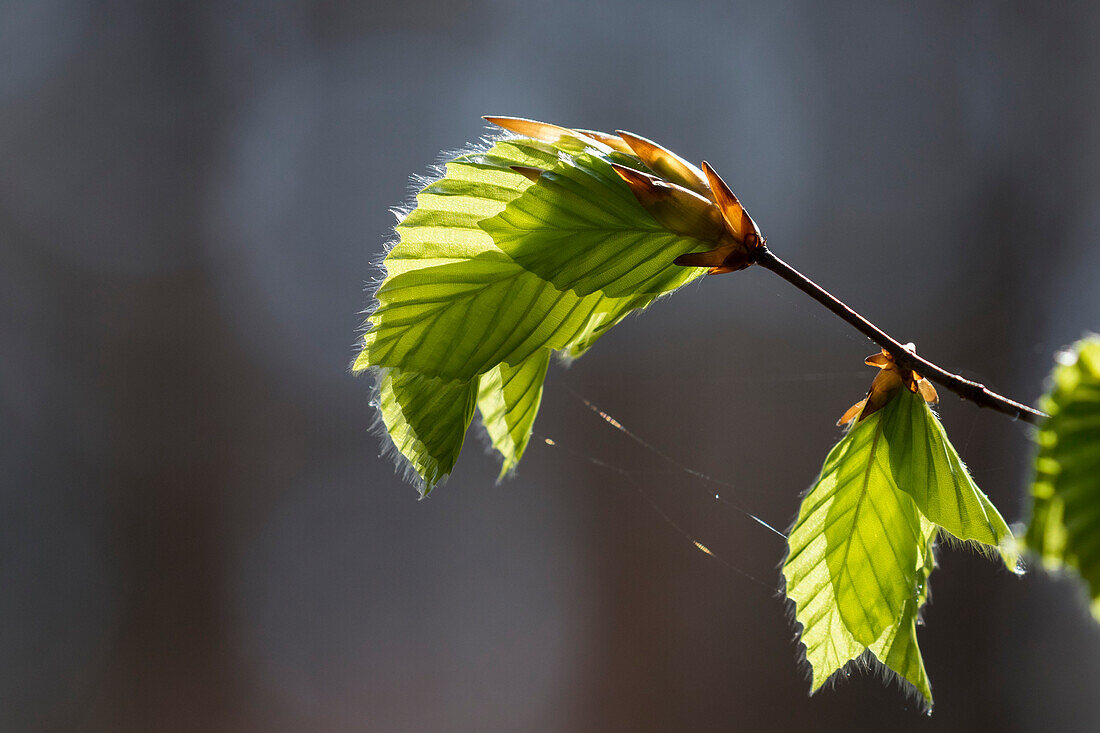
[(977, 393)]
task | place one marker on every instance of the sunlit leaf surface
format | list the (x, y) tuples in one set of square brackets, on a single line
[(508, 401), (861, 550), (927, 467), (583, 230), (521, 249), (422, 415)]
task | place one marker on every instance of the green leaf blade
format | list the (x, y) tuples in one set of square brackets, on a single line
[(929, 469), (461, 303), (827, 643), (857, 566), (508, 401), (871, 533), (459, 320), (898, 648), (581, 228), (426, 420), (861, 551)]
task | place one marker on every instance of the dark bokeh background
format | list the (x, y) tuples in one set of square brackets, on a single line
[(196, 532)]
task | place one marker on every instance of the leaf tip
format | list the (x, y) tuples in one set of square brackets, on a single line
[(545, 131), (614, 142), (666, 163)]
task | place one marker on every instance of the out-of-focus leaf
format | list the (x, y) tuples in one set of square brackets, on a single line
[(1065, 517)]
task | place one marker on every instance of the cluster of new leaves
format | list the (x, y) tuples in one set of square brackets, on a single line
[(861, 550), (1065, 521), (522, 248)]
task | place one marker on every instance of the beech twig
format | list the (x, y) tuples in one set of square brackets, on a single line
[(977, 393)]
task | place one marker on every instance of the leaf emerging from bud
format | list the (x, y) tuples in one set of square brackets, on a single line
[(887, 382), (675, 207), (741, 241)]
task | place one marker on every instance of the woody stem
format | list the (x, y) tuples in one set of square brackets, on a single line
[(966, 389)]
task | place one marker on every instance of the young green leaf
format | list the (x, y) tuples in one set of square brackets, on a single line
[(527, 246), (927, 467), (1065, 517), (858, 563), (898, 648), (861, 550), (508, 402), (873, 533), (425, 419), (582, 229), (459, 320)]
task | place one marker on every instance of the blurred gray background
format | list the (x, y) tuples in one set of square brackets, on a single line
[(196, 532)]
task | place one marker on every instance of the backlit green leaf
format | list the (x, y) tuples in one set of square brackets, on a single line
[(459, 320), (468, 304), (583, 230), (927, 467), (859, 556), (897, 648), (425, 418), (508, 402), (1065, 519), (861, 550), (873, 534)]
